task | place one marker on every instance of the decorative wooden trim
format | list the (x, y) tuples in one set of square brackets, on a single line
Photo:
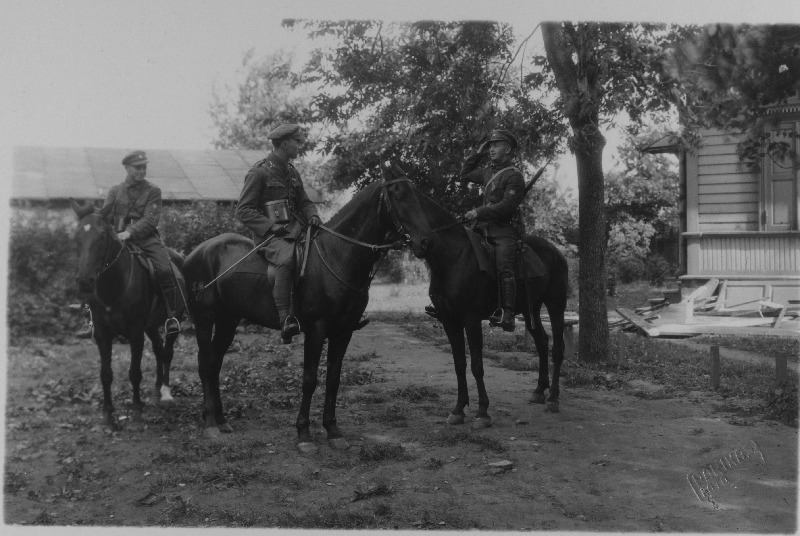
[(765, 234)]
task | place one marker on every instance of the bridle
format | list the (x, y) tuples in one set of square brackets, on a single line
[(109, 239), (382, 249)]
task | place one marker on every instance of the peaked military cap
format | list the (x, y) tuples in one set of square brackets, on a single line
[(285, 131), (135, 158), (504, 135)]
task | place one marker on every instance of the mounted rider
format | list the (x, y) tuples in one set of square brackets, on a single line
[(504, 188), (134, 207), (275, 207)]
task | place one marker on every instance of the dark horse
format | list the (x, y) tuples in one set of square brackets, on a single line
[(329, 299), (123, 300), (464, 296)]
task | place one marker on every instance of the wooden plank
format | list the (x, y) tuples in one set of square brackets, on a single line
[(750, 217), (728, 188), (631, 317), (715, 372), (733, 207), (719, 158), (730, 178), (724, 169)]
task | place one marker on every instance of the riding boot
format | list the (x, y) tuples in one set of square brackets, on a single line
[(431, 311), (508, 288), (169, 292)]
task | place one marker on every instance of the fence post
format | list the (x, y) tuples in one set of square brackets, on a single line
[(780, 367), (715, 367)]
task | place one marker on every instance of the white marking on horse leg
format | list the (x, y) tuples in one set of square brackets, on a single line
[(166, 394)]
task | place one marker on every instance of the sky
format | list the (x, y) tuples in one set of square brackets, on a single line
[(140, 74)]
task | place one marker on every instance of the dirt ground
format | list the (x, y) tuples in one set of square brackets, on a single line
[(611, 460)]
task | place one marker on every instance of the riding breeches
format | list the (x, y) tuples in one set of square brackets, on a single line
[(155, 250), (505, 251), (280, 253)]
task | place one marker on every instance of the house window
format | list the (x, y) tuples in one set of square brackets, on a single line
[(781, 179)]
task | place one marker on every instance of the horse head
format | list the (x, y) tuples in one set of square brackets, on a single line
[(96, 245), (401, 199)]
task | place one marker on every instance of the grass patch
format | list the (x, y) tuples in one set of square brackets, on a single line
[(415, 393), (676, 368), (788, 347)]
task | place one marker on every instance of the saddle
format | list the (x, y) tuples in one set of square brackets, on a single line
[(528, 265), (147, 264)]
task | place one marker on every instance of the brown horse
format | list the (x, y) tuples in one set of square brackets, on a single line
[(463, 296), (329, 299), (123, 300)]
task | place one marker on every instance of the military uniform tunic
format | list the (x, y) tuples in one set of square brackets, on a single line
[(503, 191), (135, 206), (273, 179)]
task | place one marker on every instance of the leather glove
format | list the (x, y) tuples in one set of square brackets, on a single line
[(314, 221), (279, 230)]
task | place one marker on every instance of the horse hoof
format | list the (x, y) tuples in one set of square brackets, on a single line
[(166, 396), (339, 443), (225, 428), (481, 422), (537, 398), (212, 433), (455, 419), (307, 448), (551, 407)]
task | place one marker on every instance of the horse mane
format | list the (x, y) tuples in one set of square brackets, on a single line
[(347, 211), (438, 216)]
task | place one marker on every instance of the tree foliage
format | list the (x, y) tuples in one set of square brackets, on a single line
[(423, 93), (646, 189), (726, 76), (266, 98)]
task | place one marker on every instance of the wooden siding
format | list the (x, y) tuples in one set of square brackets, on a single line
[(727, 194), (745, 254)]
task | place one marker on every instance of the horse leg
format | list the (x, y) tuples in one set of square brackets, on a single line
[(312, 350), (475, 341), (162, 370), (557, 323), (104, 340), (224, 332), (455, 334), (208, 369), (135, 376), (337, 346), (542, 341)]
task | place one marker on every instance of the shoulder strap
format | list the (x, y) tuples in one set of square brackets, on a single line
[(490, 181)]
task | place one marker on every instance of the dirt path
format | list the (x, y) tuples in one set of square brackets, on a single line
[(609, 461)]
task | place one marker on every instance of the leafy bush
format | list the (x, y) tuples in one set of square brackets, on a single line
[(630, 269), (42, 265), (185, 226), (658, 270)]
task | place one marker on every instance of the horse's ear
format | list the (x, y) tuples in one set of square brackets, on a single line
[(398, 170), (81, 209)]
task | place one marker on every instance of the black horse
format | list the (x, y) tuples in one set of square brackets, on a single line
[(463, 296), (123, 300), (329, 299)]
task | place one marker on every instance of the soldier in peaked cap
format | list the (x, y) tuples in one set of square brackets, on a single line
[(503, 190), (134, 207), (275, 207)]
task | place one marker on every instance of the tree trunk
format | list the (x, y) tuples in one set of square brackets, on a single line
[(580, 98), (592, 313)]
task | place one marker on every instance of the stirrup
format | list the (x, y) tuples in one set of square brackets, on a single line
[(172, 326), (496, 317), (289, 328)]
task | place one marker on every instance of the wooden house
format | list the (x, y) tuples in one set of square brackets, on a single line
[(739, 223)]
